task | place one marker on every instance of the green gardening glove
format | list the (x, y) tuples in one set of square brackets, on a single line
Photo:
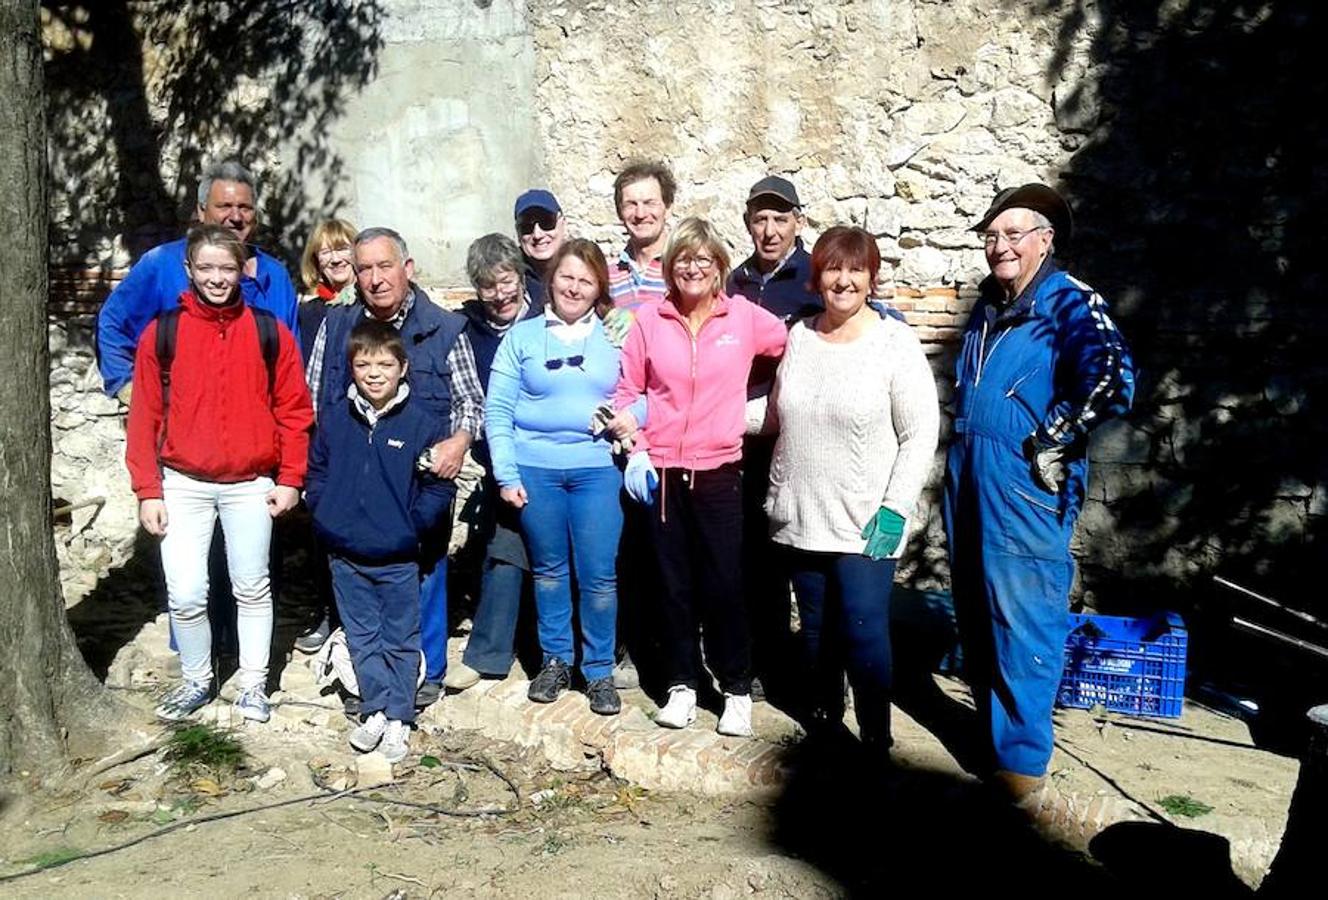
[(883, 533)]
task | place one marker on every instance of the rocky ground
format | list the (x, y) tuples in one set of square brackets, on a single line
[(502, 797)]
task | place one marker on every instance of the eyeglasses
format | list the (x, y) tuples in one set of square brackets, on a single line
[(703, 263), (500, 288), (329, 252), (546, 219), (576, 361), (992, 238)]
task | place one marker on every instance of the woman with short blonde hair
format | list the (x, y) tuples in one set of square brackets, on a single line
[(690, 355)]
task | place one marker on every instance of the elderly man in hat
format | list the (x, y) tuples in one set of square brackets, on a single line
[(1041, 365)]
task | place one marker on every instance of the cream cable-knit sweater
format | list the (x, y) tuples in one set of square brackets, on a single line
[(858, 425)]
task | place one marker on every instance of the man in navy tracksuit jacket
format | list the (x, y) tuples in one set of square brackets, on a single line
[(372, 500), (1042, 363)]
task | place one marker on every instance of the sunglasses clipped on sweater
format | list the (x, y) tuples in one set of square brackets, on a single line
[(576, 361), (546, 219)]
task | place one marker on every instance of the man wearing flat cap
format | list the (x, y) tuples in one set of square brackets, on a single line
[(1041, 365)]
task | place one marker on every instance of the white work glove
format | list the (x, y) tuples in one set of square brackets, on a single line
[(640, 479)]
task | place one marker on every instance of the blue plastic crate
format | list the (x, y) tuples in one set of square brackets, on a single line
[(1134, 666)]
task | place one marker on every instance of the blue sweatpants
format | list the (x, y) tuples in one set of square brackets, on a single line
[(379, 606), (433, 604)]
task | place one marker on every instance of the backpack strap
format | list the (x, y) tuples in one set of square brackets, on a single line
[(269, 341), (168, 327)]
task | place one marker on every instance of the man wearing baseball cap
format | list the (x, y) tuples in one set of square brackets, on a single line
[(1041, 365), (541, 230), (775, 276)]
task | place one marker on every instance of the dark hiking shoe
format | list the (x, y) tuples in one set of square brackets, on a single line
[(603, 697), (313, 640), (428, 694), (551, 681)]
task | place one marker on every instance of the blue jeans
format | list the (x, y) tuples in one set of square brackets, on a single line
[(571, 517), (492, 644), (844, 605), (380, 612), (433, 603)]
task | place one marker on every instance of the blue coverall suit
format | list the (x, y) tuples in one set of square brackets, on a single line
[(1050, 364)]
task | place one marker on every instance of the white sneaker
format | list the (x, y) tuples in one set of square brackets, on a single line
[(369, 733), (737, 718), (396, 741), (460, 676), (680, 710)]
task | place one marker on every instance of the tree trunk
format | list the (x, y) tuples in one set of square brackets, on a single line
[(48, 697)]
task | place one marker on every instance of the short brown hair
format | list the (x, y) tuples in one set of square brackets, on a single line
[(640, 170), (337, 234), (214, 236), (691, 235), (371, 336), (844, 245), (589, 253)]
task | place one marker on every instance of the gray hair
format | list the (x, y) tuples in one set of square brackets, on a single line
[(1042, 221), (226, 170), (492, 253), (373, 234)]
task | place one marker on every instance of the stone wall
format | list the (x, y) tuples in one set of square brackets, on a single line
[(1199, 216)]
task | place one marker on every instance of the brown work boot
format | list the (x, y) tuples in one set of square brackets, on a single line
[(1015, 786)]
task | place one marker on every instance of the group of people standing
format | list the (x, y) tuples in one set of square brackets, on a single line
[(668, 443)]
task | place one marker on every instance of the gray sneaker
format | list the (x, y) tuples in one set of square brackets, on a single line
[(396, 741), (625, 676), (253, 704), (369, 733), (313, 640), (604, 700), (185, 699)]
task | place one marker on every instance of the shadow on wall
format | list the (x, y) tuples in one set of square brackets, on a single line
[(143, 95), (1198, 129)]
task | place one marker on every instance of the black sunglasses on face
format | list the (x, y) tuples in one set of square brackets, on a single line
[(545, 219)]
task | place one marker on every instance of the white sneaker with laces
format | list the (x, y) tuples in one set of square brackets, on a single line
[(396, 741), (369, 733), (680, 710), (737, 718)]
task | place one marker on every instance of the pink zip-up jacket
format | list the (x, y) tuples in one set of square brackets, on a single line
[(695, 388)]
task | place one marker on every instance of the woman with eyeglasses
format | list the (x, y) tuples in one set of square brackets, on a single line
[(689, 355), (327, 271), (549, 378)]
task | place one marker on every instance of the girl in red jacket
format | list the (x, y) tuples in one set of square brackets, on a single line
[(217, 428)]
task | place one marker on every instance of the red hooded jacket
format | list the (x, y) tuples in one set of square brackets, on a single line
[(223, 425)]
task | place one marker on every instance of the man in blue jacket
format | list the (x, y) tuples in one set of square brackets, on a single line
[(1041, 365), (227, 195)]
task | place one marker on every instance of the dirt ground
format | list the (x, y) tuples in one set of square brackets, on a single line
[(839, 826)]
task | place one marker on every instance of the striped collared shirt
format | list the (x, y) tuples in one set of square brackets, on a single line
[(630, 286)]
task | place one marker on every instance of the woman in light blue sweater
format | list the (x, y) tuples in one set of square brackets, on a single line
[(550, 376)]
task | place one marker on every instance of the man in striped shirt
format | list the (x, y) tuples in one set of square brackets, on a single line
[(643, 195)]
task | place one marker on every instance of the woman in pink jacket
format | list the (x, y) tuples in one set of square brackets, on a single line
[(690, 355)]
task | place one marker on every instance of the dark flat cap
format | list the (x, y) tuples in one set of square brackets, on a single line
[(1039, 198)]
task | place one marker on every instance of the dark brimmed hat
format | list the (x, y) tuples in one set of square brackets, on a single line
[(774, 186), (1039, 198)]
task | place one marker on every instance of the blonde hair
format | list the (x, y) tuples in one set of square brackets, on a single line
[(694, 234), (336, 233)]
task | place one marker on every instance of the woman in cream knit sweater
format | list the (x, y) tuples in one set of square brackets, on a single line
[(855, 406)]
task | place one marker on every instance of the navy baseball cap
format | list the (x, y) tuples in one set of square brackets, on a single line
[(536, 199)]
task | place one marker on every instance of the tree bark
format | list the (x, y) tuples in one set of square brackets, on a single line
[(49, 700)]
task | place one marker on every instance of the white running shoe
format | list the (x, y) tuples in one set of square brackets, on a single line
[(737, 718), (680, 710), (396, 741), (369, 733)]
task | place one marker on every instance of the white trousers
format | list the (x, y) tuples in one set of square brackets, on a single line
[(192, 508)]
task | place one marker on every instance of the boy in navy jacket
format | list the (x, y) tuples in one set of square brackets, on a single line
[(372, 496)]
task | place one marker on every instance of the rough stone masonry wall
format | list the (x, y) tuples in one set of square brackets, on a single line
[(901, 117), (1199, 213)]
